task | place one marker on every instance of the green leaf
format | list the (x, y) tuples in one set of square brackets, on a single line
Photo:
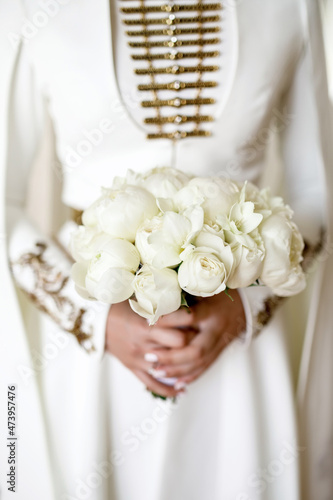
[(184, 301), (228, 294), (256, 283), (158, 396)]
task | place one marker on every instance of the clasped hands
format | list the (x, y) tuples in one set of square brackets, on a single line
[(181, 345)]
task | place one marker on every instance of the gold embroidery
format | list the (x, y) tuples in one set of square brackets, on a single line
[(272, 303), (312, 251), (175, 55), (194, 21), (179, 119), (265, 314), (49, 284), (172, 20), (176, 85), (179, 134), (171, 8), (200, 30), (175, 43), (176, 70), (176, 103)]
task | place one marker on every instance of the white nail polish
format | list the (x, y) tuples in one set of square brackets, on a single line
[(156, 373), (151, 357), (180, 385)]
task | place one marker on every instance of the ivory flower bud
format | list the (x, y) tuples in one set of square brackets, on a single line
[(284, 246), (109, 275), (120, 213), (157, 293)]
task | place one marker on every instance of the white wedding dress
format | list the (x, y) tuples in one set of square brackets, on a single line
[(87, 427)]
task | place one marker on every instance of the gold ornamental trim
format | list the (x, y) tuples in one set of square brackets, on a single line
[(195, 19)]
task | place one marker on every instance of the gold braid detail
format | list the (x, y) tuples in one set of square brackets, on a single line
[(51, 283), (272, 303)]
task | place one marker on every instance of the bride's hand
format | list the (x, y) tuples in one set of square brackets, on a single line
[(130, 338), (218, 321)]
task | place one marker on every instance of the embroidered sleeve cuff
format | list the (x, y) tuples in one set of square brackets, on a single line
[(42, 270)]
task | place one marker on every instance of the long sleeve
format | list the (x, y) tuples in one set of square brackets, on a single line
[(305, 154), (39, 266)]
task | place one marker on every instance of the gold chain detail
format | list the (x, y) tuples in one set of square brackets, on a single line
[(175, 55), (171, 8), (172, 38), (179, 134), (179, 119), (174, 42), (172, 19), (177, 102), (176, 70), (173, 30), (177, 85)]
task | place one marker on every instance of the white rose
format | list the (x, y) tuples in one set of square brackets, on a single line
[(211, 236), (284, 246), (249, 253), (204, 273), (162, 239), (109, 275), (157, 293), (120, 213)]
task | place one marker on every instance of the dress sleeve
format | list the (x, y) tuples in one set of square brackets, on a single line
[(39, 266), (306, 155)]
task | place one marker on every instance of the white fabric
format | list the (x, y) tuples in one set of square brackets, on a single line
[(234, 435)]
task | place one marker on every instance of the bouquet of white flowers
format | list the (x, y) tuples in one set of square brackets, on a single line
[(156, 237)]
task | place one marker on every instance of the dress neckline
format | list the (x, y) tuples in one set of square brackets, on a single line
[(230, 49)]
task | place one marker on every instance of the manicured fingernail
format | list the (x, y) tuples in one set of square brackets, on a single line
[(157, 373), (180, 385), (151, 357)]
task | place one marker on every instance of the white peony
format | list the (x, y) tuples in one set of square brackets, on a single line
[(157, 292), (241, 218), (164, 182), (120, 213), (142, 239), (215, 195), (203, 272), (219, 196), (284, 246), (265, 203), (86, 242), (109, 275), (249, 252), (162, 239), (131, 178)]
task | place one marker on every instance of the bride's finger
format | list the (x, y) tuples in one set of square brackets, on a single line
[(192, 354), (170, 337), (184, 317), (195, 374), (155, 386)]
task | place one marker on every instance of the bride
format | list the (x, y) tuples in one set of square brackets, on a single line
[(200, 86)]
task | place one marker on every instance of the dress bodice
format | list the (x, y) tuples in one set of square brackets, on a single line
[(83, 65), (174, 65)]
